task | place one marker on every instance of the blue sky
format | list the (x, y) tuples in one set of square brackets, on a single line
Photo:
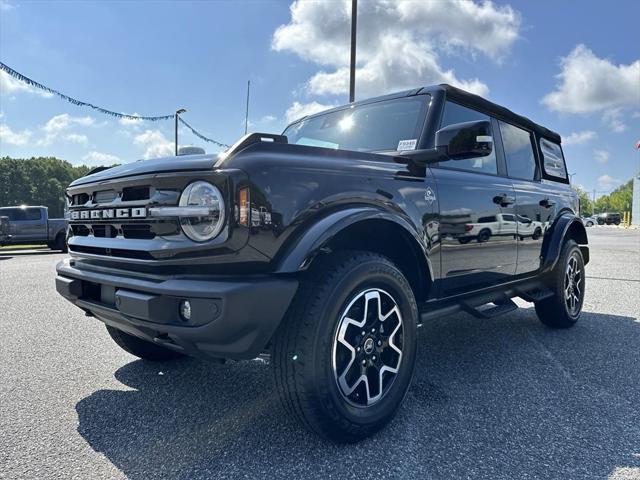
[(152, 57)]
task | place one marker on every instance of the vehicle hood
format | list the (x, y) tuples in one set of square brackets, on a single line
[(157, 165)]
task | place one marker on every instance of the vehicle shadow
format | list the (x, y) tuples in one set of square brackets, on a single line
[(501, 398)]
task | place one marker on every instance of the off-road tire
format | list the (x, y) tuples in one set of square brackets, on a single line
[(141, 348), (554, 311), (302, 349), (60, 243)]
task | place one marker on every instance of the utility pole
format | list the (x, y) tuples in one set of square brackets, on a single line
[(352, 68), (178, 112), (593, 204), (246, 114)]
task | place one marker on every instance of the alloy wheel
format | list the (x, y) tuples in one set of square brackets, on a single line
[(573, 285), (367, 347)]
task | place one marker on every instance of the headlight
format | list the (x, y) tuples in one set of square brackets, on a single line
[(202, 228)]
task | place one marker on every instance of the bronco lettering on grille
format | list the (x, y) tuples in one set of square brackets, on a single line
[(109, 213)]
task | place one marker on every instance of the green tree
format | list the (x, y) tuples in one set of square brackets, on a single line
[(586, 205), (617, 201), (37, 181)]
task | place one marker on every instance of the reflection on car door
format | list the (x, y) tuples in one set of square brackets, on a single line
[(477, 248)]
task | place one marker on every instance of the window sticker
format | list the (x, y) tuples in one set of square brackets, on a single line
[(407, 144)]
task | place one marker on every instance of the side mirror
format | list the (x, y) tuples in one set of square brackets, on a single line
[(455, 142), (465, 140)]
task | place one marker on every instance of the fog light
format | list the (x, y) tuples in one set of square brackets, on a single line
[(185, 310)]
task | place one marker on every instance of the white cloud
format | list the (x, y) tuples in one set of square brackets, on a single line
[(613, 118), (9, 86), (94, 158), (299, 110), (601, 156), (398, 42), (155, 143), (5, 6), (10, 137), (592, 84), (268, 119), (577, 138), (57, 129), (607, 182)]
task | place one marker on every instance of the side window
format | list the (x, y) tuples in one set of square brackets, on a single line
[(454, 113), (552, 159), (14, 214), (33, 214), (518, 150)]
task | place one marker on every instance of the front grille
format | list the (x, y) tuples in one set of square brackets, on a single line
[(111, 252), (140, 231), (126, 194), (104, 196)]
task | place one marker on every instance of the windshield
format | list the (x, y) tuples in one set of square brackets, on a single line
[(381, 126)]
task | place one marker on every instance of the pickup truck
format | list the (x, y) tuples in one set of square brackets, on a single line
[(26, 225), (324, 248)]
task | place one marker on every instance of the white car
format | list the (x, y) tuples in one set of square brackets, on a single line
[(501, 224)]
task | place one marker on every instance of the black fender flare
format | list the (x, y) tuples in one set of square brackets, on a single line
[(299, 255), (566, 225)]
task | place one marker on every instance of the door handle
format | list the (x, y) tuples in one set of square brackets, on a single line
[(503, 200), (546, 203)]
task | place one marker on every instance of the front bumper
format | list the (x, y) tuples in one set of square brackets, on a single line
[(232, 317)]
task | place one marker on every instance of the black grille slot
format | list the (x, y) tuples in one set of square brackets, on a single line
[(80, 199), (80, 230), (130, 194), (113, 252), (138, 231), (105, 196), (105, 231)]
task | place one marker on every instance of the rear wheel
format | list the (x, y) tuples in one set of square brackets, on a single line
[(567, 281), (141, 348), (484, 235), (343, 358)]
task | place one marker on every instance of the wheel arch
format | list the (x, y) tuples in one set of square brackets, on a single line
[(369, 229), (567, 226)]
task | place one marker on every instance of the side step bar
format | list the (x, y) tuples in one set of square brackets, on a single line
[(480, 306), (500, 306)]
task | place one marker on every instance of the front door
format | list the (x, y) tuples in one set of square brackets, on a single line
[(477, 216)]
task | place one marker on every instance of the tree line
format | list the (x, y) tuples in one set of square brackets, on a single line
[(37, 181), (617, 201)]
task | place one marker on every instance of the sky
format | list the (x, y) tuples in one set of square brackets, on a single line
[(571, 66)]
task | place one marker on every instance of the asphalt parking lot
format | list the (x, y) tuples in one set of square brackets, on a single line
[(503, 398)]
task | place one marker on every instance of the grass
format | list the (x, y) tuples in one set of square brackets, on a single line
[(21, 247)]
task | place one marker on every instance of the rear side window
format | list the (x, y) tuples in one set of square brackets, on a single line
[(518, 150), (552, 159), (454, 113), (33, 214)]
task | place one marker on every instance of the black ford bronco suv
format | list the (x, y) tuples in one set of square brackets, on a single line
[(325, 247)]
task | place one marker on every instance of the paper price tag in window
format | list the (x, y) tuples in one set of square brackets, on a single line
[(407, 144)]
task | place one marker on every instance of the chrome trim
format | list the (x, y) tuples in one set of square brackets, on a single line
[(163, 212)]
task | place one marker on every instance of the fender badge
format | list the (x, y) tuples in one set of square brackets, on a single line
[(429, 196)]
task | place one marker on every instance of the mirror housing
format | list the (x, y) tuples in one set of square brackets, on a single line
[(466, 140), (456, 142)]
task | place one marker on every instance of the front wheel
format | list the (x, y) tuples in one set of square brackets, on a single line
[(567, 281), (343, 358)]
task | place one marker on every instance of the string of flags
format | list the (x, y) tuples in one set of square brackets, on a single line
[(23, 78)]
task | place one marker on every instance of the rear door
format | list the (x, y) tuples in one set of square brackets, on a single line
[(537, 200), (475, 251)]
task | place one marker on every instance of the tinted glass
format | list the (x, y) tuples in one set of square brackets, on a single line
[(13, 214), (507, 217), (454, 113), (518, 150), (379, 126), (552, 159), (33, 214)]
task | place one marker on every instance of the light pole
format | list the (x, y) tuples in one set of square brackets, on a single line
[(352, 66), (178, 112)]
